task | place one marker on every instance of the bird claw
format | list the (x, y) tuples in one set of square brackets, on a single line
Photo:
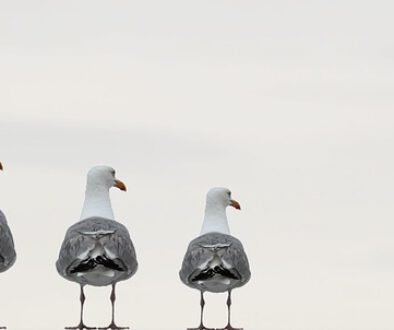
[(229, 327), (81, 326), (113, 326), (201, 327)]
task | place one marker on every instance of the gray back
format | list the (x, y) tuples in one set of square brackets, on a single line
[(201, 250), (79, 239)]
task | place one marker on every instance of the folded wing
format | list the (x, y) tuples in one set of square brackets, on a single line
[(97, 242), (215, 254)]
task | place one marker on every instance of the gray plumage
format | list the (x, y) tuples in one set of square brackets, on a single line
[(7, 249), (94, 238), (215, 262), (97, 250)]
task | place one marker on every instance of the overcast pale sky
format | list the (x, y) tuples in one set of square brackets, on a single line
[(287, 103)]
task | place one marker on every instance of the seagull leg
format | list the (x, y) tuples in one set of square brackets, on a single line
[(201, 326), (112, 325), (228, 326), (81, 325)]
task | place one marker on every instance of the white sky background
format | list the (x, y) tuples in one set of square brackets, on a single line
[(287, 103)]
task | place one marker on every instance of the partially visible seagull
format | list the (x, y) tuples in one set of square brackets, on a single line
[(7, 249), (98, 250), (215, 261)]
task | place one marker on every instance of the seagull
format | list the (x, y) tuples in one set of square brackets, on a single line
[(215, 261), (7, 249), (98, 250)]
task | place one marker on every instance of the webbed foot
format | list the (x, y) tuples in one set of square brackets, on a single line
[(201, 327), (81, 326), (113, 326), (229, 327)]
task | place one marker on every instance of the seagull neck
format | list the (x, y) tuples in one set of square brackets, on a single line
[(215, 219), (97, 203)]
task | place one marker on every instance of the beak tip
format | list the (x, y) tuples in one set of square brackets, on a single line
[(120, 185), (235, 204)]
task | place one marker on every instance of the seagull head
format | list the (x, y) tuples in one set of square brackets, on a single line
[(104, 176), (221, 196)]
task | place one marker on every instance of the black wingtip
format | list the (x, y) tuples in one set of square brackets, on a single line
[(111, 264)]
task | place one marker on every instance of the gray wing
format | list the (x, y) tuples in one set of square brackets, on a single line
[(83, 236), (7, 249), (202, 249)]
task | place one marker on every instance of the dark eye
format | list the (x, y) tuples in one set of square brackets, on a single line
[(229, 193), (113, 172)]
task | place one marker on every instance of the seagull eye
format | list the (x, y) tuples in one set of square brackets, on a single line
[(229, 193), (113, 172)]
